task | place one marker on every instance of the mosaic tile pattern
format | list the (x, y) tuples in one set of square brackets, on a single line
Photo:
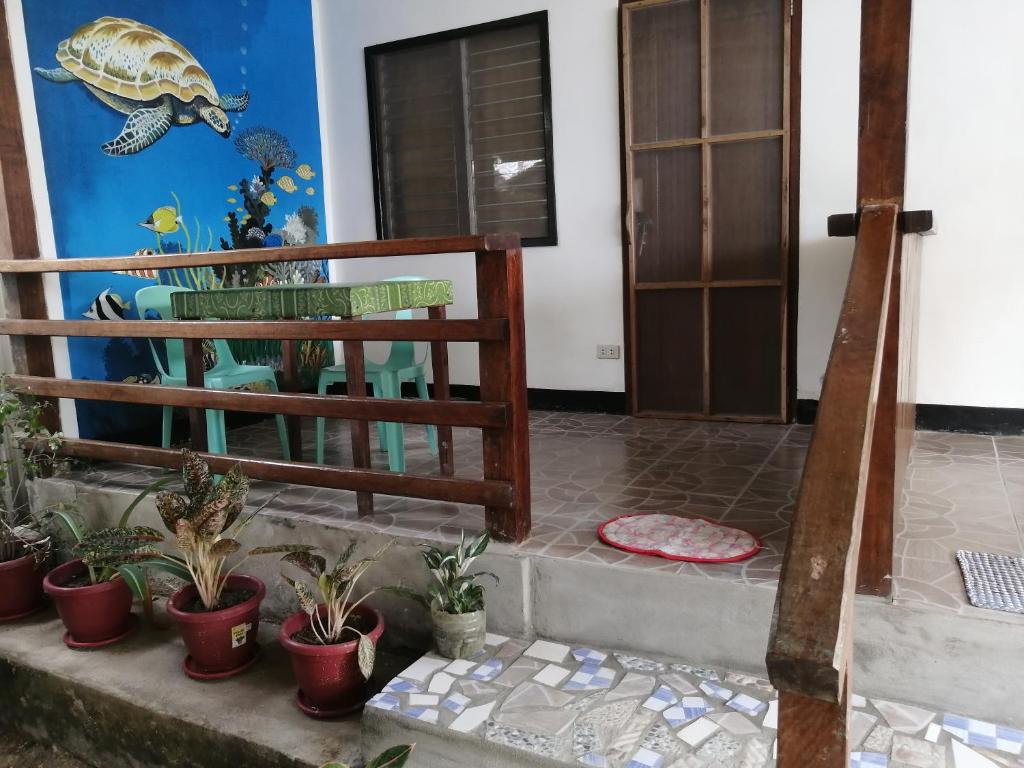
[(962, 492), (646, 720)]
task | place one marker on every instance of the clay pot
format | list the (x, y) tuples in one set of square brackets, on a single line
[(459, 635), (220, 643), (94, 614), (21, 587), (329, 679)]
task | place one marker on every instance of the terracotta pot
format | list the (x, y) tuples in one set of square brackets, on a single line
[(459, 635), (328, 675), (21, 587), (219, 641), (92, 614)]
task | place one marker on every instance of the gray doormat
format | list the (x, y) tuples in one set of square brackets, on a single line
[(993, 581)]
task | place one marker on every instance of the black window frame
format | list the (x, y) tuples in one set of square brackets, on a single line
[(538, 18)]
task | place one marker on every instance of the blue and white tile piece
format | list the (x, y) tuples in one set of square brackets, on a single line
[(583, 706)]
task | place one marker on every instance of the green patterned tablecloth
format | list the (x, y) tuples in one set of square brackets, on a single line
[(286, 302)]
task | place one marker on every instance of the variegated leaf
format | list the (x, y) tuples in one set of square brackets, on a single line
[(307, 600), (198, 479), (312, 564), (172, 508), (225, 548), (367, 656), (232, 490), (185, 536)]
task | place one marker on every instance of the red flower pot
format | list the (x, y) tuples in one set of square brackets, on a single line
[(95, 614), (21, 587), (329, 679), (220, 643)]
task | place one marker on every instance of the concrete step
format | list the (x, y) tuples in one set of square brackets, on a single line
[(130, 705), (549, 705)]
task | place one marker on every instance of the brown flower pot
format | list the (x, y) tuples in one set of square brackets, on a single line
[(220, 643), (21, 587), (94, 615), (329, 679)]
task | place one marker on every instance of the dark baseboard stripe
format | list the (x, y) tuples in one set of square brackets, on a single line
[(557, 399), (946, 418)]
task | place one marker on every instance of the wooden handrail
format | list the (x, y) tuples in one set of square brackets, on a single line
[(492, 329), (809, 652), (447, 412), (489, 493), (367, 249)]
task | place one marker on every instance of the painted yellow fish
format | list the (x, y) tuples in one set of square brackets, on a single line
[(304, 172), (268, 198), (310, 191), (232, 199), (233, 187), (287, 183), (164, 220)]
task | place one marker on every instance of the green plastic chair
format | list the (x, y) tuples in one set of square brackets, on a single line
[(386, 379), (226, 374)]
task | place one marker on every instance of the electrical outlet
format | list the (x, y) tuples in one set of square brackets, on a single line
[(609, 351)]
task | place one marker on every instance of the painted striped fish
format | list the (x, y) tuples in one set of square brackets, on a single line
[(107, 306)]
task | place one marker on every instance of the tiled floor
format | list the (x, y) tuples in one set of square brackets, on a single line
[(963, 492), (581, 706)]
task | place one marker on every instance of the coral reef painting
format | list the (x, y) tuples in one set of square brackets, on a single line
[(174, 128)]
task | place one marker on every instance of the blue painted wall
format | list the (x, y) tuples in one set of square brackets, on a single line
[(97, 201)]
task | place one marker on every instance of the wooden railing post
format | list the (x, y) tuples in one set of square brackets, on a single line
[(506, 451), (18, 236), (813, 732), (195, 376), (355, 387), (881, 171), (439, 367)]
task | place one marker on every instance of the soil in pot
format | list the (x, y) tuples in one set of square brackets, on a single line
[(21, 587), (228, 599)]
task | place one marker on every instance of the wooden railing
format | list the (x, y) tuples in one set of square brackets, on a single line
[(501, 413), (841, 536)]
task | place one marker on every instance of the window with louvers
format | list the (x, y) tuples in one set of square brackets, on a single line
[(461, 126)]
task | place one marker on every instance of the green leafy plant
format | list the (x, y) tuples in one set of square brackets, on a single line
[(455, 590), (29, 450), (335, 588), (207, 522), (395, 757)]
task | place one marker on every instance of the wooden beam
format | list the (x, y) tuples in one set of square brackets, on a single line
[(808, 650), (495, 494), (442, 411), (18, 236), (881, 171), (494, 329), (812, 732), (420, 246)]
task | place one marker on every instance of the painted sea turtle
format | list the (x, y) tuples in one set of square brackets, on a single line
[(141, 72)]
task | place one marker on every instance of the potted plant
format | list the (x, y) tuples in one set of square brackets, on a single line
[(93, 593), (332, 641), (456, 599), (28, 450), (218, 612)]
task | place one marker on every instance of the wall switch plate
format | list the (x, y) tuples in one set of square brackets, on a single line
[(609, 351)]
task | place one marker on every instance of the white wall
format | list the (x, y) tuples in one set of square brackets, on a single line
[(574, 289), (966, 163)]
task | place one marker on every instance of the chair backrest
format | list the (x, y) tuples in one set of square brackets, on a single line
[(403, 353), (156, 300)]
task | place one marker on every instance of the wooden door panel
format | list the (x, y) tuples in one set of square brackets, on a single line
[(746, 345)]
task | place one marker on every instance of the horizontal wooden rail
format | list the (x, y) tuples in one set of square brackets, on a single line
[(809, 651), (489, 493), (495, 329), (367, 249), (447, 412)]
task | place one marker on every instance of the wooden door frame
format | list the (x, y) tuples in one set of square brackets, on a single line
[(791, 212)]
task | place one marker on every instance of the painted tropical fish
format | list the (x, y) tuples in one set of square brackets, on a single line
[(139, 71), (107, 306), (304, 172), (164, 220), (287, 183)]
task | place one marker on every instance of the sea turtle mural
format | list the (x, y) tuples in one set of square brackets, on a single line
[(141, 72)]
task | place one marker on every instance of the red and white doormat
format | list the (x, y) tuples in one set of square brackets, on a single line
[(693, 539)]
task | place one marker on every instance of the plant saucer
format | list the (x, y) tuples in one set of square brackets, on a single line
[(75, 645), (197, 674), (43, 604), (322, 714)]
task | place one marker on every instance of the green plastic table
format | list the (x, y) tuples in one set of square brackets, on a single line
[(344, 301)]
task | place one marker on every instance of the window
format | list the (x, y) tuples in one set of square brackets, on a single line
[(460, 124)]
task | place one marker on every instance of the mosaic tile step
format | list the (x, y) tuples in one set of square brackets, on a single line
[(556, 704)]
